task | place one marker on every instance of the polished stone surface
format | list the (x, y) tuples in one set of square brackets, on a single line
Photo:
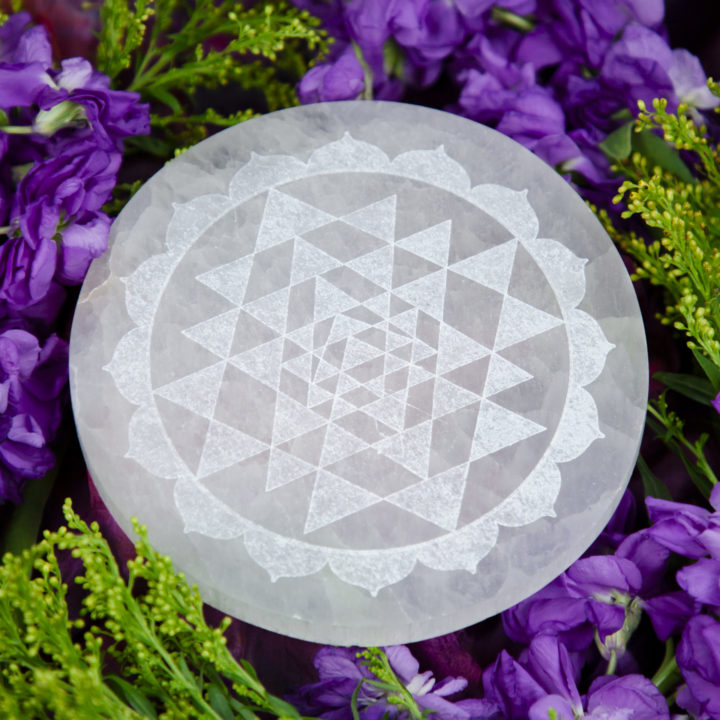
[(368, 372)]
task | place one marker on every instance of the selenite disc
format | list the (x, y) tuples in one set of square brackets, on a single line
[(368, 372)]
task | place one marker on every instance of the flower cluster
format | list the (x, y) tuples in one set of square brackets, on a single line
[(575, 634), (556, 76), (61, 134)]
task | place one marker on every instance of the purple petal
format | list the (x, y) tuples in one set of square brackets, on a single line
[(669, 613), (550, 664), (698, 657), (633, 693), (599, 575), (406, 667), (540, 709), (702, 580)]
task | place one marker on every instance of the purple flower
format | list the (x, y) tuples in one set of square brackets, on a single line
[(433, 34), (701, 580), (510, 689), (608, 583), (631, 696), (716, 402), (32, 380), (551, 665), (678, 526), (550, 611), (342, 79), (637, 66), (698, 657), (341, 672), (669, 613)]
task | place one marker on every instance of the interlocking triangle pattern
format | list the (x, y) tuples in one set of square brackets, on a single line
[(352, 368)]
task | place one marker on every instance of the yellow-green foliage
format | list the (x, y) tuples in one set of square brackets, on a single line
[(167, 50), (139, 648), (683, 254)]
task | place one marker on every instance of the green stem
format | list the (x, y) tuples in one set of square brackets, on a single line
[(17, 129), (522, 23), (367, 93), (668, 674), (612, 663)]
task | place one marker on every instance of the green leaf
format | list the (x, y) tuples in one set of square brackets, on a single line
[(690, 386), (711, 369), (131, 696), (653, 486), (658, 152), (219, 703), (22, 530), (618, 144)]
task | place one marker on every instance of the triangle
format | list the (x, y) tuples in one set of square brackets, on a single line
[(426, 293), (321, 332), (284, 468), (293, 419), (307, 447), (340, 444), (421, 351), (225, 446), (393, 363), (497, 428), (520, 321), (303, 337), (389, 410), (376, 266), (397, 305), (333, 499), (411, 448), (317, 395), (433, 243), (291, 350), (262, 362), (323, 371), (309, 261), (330, 300), (272, 310), (456, 349), (450, 397), (418, 375), (405, 322), (357, 352), (215, 334), (377, 384), (229, 280), (436, 499), (344, 327), (380, 304), (341, 408), (197, 392), (502, 374), (491, 268), (301, 366), (377, 219), (408, 267), (284, 217), (395, 341)]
